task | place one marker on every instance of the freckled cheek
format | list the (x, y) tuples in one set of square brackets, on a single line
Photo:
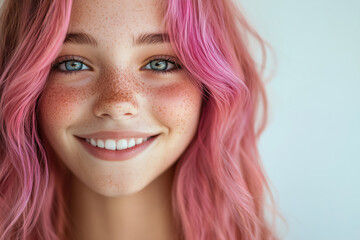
[(60, 104), (177, 106)]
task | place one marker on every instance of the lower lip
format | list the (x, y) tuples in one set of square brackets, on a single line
[(117, 155)]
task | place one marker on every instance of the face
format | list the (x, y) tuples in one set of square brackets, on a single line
[(124, 89)]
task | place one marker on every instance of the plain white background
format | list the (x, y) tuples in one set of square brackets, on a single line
[(310, 148)]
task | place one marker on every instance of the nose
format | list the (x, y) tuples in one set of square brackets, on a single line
[(115, 101)]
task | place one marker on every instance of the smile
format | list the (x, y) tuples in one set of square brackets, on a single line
[(111, 144), (116, 149)]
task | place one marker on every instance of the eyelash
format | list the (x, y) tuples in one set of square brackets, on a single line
[(65, 59)]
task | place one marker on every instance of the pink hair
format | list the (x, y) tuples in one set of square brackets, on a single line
[(220, 187)]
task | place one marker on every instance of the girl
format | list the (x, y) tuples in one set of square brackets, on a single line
[(129, 119)]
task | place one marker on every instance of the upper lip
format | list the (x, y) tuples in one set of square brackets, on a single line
[(117, 135)]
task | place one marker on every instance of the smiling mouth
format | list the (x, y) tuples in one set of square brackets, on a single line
[(107, 150), (117, 144)]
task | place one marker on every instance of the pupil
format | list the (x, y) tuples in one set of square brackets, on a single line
[(159, 64), (73, 65)]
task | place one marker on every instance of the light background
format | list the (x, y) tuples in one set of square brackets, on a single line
[(310, 148)]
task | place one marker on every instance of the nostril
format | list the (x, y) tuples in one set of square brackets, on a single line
[(119, 110)]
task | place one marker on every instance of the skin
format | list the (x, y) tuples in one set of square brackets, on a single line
[(126, 199)]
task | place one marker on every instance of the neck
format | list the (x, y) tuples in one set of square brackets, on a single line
[(146, 214)]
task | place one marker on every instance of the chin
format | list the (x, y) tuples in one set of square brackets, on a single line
[(118, 189)]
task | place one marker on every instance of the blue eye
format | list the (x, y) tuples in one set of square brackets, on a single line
[(69, 65), (162, 65), (72, 66)]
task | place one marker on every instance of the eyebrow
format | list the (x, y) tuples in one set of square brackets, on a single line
[(142, 39)]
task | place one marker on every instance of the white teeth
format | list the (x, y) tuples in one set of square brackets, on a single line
[(111, 144), (100, 143), (139, 140), (121, 144), (131, 143)]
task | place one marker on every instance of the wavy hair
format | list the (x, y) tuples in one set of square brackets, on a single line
[(220, 186)]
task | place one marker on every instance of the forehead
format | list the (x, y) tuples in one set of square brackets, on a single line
[(116, 19)]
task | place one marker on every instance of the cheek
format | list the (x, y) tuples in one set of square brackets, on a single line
[(60, 103), (177, 105)]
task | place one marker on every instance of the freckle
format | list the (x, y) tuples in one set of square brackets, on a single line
[(117, 85)]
